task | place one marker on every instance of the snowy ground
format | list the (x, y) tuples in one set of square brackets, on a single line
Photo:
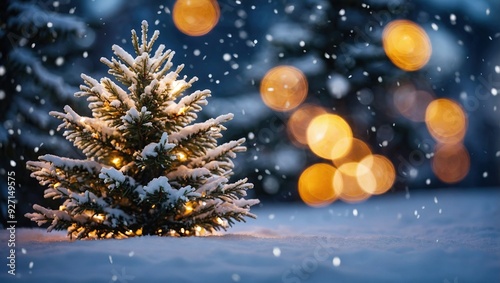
[(434, 236)]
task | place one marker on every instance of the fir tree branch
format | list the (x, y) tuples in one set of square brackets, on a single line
[(219, 160), (91, 135), (106, 99), (120, 71), (60, 174), (183, 113), (26, 59), (137, 128), (200, 137), (26, 17)]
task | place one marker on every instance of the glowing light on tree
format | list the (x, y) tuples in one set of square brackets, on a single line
[(283, 88), (196, 17), (116, 161), (406, 44), (181, 156)]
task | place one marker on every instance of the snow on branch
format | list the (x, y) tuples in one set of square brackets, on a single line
[(115, 178), (86, 123), (120, 71), (145, 46), (124, 56), (237, 208), (57, 172), (211, 128), (92, 135), (106, 99), (47, 214), (65, 163), (194, 101), (136, 126), (219, 159), (184, 173), (184, 112), (154, 149), (171, 196)]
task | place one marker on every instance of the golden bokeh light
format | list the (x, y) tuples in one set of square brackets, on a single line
[(316, 185), (299, 121), (181, 156), (283, 88), (406, 44), (347, 176), (412, 103), (451, 162), (196, 17), (446, 121), (329, 136), (358, 150), (376, 174)]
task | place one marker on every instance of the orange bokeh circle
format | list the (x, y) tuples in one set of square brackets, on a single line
[(316, 185), (329, 136), (376, 175), (346, 185), (406, 44), (283, 88), (446, 121), (299, 121), (196, 17), (358, 150), (451, 162)]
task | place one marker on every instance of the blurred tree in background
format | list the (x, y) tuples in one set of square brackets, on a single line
[(42, 51)]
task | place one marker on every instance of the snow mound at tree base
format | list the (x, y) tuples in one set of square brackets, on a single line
[(428, 236)]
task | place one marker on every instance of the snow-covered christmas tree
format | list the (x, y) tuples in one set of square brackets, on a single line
[(151, 169)]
